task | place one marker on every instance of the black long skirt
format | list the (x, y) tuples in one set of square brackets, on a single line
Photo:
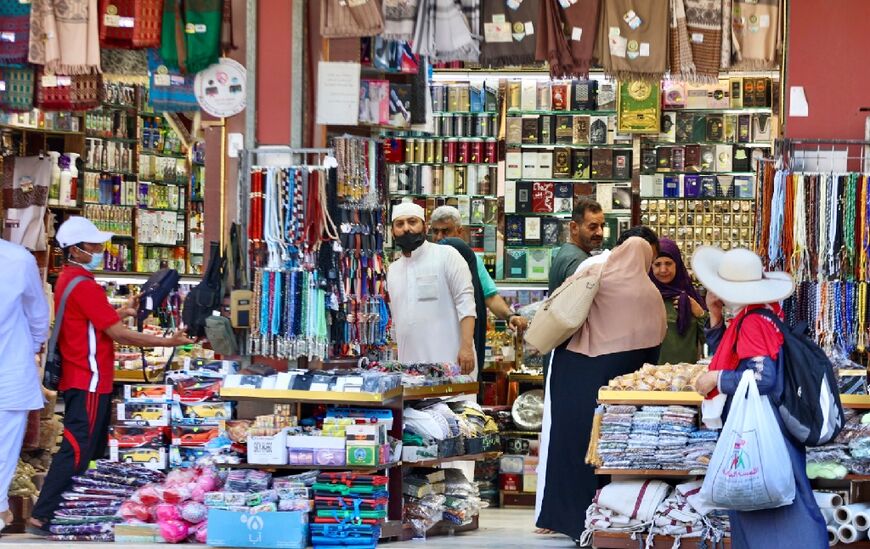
[(566, 485)]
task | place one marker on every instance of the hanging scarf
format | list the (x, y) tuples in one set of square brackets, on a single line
[(567, 36), (75, 92), (343, 19), (65, 36), (756, 40), (511, 43), (758, 337), (681, 61), (20, 89), (15, 29), (727, 6), (704, 24), (228, 41), (443, 33), (170, 91), (634, 54), (680, 288), (191, 34), (130, 23), (125, 66), (399, 19)]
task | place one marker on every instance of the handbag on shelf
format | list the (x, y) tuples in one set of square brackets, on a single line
[(565, 311)]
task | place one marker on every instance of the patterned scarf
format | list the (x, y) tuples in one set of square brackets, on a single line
[(130, 23), (443, 33), (704, 21), (343, 19), (511, 44), (567, 37), (681, 62), (726, 34), (125, 66), (170, 91), (18, 95), (67, 37), (399, 19), (191, 34), (756, 40), (14, 24), (75, 92), (639, 53)]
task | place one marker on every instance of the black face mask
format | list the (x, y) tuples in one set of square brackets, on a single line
[(410, 241)]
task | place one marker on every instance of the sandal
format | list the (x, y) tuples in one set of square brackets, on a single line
[(39, 531)]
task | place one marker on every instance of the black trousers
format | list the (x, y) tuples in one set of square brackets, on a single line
[(569, 483), (85, 431)]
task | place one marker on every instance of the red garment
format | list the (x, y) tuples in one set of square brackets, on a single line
[(88, 353), (758, 337)]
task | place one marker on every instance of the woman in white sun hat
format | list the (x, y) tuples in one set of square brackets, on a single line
[(754, 342)]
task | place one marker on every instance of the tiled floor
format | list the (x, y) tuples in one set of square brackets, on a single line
[(501, 528)]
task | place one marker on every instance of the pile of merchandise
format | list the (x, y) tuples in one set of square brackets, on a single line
[(435, 495), (348, 509), (90, 508), (422, 375), (652, 437), (848, 453), (667, 377), (445, 429), (354, 381), (651, 507)]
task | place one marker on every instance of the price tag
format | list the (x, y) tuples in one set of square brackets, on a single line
[(7, 37), (201, 29), (697, 38), (49, 81), (176, 80), (2, 85), (576, 34), (64, 81), (162, 80), (110, 20), (530, 28), (126, 22)]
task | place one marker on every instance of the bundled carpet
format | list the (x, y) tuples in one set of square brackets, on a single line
[(682, 66), (704, 24), (754, 28), (567, 35), (15, 28), (633, 40), (514, 41), (65, 36), (443, 31), (399, 19)]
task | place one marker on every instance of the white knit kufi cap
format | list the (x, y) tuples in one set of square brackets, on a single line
[(408, 209)]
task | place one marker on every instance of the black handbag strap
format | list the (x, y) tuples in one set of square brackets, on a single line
[(58, 318)]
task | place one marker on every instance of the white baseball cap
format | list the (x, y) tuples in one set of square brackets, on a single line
[(408, 209), (80, 229)]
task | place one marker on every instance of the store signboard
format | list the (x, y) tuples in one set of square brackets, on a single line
[(338, 91), (221, 89)]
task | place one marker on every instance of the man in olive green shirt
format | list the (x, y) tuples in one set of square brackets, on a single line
[(446, 222), (587, 234)]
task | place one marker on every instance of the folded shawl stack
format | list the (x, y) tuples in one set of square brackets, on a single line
[(567, 35), (65, 36), (639, 53), (624, 506)]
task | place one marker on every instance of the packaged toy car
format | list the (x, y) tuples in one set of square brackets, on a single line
[(127, 436), (149, 394), (153, 458), (155, 415), (204, 413), (196, 389), (194, 435)]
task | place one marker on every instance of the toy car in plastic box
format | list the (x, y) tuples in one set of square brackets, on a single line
[(194, 436), (126, 436), (205, 413), (156, 394), (155, 415), (153, 458), (194, 390)]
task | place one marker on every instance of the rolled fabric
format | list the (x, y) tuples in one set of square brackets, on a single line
[(849, 534), (828, 499), (833, 536), (828, 513), (845, 514), (862, 521)]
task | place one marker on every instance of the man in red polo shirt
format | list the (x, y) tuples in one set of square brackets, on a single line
[(86, 343)]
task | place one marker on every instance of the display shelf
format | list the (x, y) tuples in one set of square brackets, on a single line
[(642, 197), (520, 433), (562, 113), (649, 473), (568, 180), (746, 110), (148, 152), (436, 391), (442, 113), (315, 397), (856, 402), (661, 144), (289, 467), (42, 130), (118, 106), (570, 146), (508, 499), (439, 461), (665, 398), (688, 172), (526, 378), (113, 139), (620, 540), (136, 376), (112, 172)]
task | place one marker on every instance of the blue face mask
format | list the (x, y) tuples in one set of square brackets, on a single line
[(95, 263)]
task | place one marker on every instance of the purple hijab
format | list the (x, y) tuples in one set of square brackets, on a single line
[(681, 286)]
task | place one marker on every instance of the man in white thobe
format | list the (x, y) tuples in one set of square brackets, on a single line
[(23, 330), (431, 296)]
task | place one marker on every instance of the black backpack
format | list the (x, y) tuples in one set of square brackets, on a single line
[(810, 402), (207, 296), (155, 291)]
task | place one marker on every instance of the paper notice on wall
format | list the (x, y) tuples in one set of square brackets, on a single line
[(797, 102), (338, 93)]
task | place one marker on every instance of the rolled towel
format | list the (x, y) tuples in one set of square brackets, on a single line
[(849, 534), (828, 499), (845, 514), (833, 535), (828, 513), (862, 521)]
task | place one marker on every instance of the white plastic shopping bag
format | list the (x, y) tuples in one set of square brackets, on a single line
[(750, 468)]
